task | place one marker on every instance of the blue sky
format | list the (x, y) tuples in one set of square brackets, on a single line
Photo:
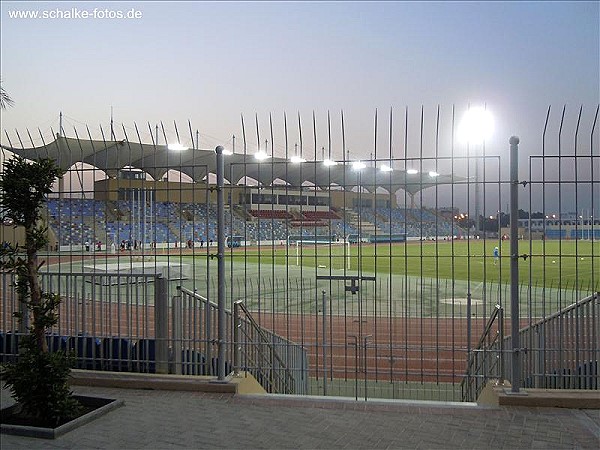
[(210, 62)]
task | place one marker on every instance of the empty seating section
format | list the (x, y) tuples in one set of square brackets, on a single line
[(76, 221), (320, 215), (162, 233), (268, 230), (412, 222), (75, 207), (73, 233), (342, 228), (422, 215), (115, 354), (167, 210), (313, 219)]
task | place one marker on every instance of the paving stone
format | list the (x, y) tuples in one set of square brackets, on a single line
[(169, 419)]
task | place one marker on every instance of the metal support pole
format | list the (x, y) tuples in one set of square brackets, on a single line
[(220, 263), (366, 338), (514, 262), (161, 317), (237, 357), (324, 343), (469, 330), (355, 343), (477, 201), (501, 332), (177, 318)]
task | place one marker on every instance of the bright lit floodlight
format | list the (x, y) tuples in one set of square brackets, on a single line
[(329, 162), (433, 174), (261, 155), (477, 126), (177, 147), (358, 165), (385, 168), (297, 159), (412, 171), (227, 152)]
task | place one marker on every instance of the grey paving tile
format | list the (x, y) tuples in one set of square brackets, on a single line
[(162, 419)]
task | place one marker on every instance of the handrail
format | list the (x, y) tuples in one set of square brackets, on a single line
[(562, 312), (488, 326), (538, 331), (199, 297), (471, 374), (288, 379)]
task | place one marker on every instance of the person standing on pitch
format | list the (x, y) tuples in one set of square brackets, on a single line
[(496, 255)]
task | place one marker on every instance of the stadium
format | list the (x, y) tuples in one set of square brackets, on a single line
[(338, 279)]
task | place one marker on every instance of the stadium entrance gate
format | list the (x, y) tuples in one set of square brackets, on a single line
[(377, 274)]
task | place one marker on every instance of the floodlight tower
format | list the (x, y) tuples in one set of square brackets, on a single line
[(477, 125)]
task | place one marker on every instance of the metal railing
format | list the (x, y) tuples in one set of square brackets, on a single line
[(558, 352), (112, 321), (124, 322), (486, 361), (562, 350), (278, 364)]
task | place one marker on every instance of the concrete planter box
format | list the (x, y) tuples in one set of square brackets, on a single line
[(101, 407)]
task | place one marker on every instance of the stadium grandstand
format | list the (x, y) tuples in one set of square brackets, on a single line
[(133, 204)]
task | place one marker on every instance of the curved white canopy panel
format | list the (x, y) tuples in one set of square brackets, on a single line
[(156, 160)]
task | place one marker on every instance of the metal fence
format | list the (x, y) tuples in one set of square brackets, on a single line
[(381, 267), (561, 349), (110, 321), (558, 352), (130, 322)]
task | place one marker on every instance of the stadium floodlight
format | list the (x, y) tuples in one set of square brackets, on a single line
[(412, 171), (261, 155), (329, 162), (297, 159), (385, 168), (358, 165), (477, 125), (433, 174), (177, 147), (227, 152)]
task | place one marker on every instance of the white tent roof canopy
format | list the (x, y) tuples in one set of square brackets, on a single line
[(157, 160)]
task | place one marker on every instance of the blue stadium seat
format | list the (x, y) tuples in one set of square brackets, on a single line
[(117, 354), (57, 343), (88, 351), (193, 362), (215, 366), (145, 355)]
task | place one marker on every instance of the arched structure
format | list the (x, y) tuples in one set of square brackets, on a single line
[(156, 160)]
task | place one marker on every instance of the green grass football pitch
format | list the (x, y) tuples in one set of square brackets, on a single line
[(548, 263), (423, 279)]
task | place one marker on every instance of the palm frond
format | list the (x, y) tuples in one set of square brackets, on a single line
[(5, 100)]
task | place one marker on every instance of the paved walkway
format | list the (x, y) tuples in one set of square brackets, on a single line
[(168, 419)]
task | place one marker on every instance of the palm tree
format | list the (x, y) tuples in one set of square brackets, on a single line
[(5, 100)]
